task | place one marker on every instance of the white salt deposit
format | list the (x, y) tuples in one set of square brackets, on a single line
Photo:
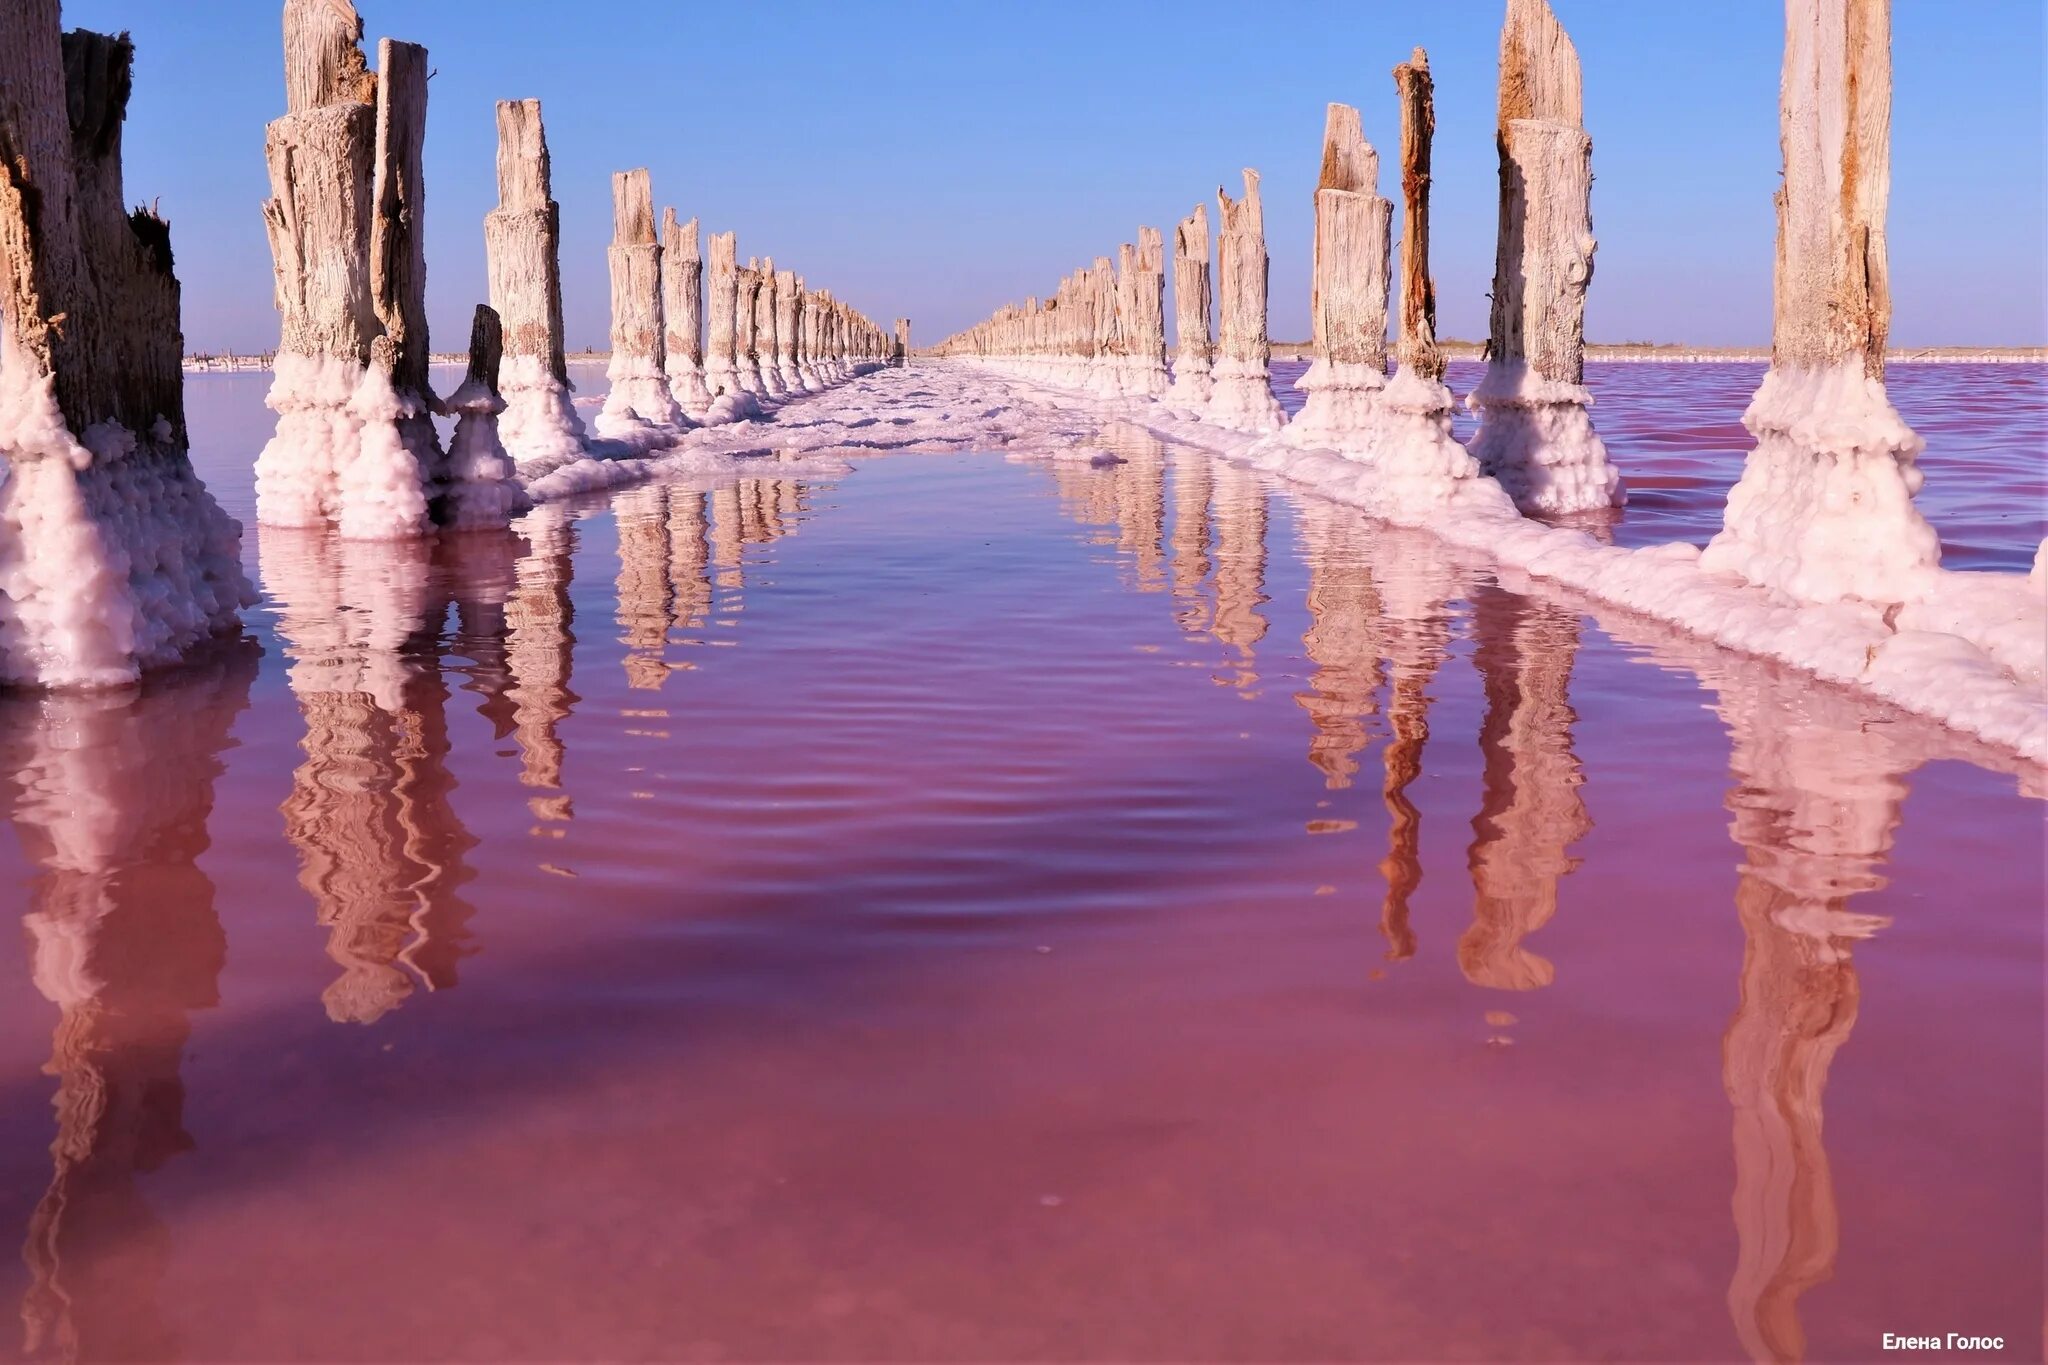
[(380, 492), (639, 399), (539, 421), (1824, 509), (1340, 410), (1536, 438), (482, 492), (298, 470), (113, 556)]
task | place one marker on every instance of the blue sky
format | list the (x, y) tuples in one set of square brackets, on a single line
[(941, 158)]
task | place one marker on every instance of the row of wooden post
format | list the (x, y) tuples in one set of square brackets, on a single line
[(345, 220)]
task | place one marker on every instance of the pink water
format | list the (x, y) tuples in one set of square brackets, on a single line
[(980, 910)]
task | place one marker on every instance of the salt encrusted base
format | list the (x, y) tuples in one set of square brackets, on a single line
[(1241, 398), (381, 489), (639, 398), (1536, 438), (687, 387), (539, 421), (316, 434), (1824, 509), (1141, 377), (1341, 408), (113, 556), (1191, 387), (737, 405), (482, 492)]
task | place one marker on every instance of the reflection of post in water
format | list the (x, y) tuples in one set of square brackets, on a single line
[(541, 648), (380, 848), (1240, 512), (664, 583), (726, 536), (1139, 489), (1126, 497), (109, 795), (1530, 810), (770, 509), (1343, 639), (485, 562), (1414, 580), (752, 512), (1190, 539), (689, 520), (644, 584), (1816, 800)]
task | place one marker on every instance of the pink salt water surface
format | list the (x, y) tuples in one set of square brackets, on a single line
[(1675, 431), (987, 910)]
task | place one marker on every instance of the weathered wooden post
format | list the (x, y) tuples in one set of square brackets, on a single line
[(482, 493), (901, 354), (682, 314), (1242, 396), (808, 309), (1348, 299), (522, 243), (398, 264), (1535, 433), (745, 325), (116, 557), (785, 332), (1145, 324), (639, 397), (1824, 509), (320, 156), (767, 324), (721, 366), (1411, 442), (1193, 350)]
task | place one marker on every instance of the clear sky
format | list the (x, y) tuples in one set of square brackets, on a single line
[(942, 157)]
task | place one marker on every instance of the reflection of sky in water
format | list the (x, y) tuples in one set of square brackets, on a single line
[(978, 908)]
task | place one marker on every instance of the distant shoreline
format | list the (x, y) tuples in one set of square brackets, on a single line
[(1639, 351)]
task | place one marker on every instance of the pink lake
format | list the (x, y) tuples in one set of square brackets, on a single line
[(976, 909)]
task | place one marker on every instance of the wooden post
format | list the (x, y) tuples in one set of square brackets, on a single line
[(746, 326), (1194, 353), (807, 312), (1242, 396), (1411, 440), (320, 156), (118, 559), (398, 252), (1145, 323), (639, 396), (1415, 347), (682, 309), (785, 332), (901, 354), (766, 329), (721, 371), (522, 244), (1535, 434), (1348, 298), (1824, 509), (482, 492)]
